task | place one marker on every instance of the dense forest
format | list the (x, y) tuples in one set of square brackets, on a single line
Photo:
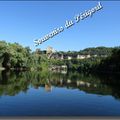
[(99, 51), (16, 57), (111, 63)]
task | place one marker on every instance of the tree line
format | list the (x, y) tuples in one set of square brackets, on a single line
[(15, 56), (108, 64)]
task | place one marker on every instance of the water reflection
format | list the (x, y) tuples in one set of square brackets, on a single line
[(12, 83)]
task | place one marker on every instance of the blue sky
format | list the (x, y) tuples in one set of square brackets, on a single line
[(24, 21)]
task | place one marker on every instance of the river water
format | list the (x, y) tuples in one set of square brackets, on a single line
[(58, 94)]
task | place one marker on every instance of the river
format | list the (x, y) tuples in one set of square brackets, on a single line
[(58, 94)]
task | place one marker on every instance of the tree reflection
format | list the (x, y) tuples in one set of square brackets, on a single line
[(4, 77), (12, 83)]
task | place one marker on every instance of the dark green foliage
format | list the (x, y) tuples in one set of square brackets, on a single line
[(100, 51), (112, 63), (13, 55)]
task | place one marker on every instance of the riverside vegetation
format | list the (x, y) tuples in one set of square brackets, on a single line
[(58, 83), (102, 59)]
